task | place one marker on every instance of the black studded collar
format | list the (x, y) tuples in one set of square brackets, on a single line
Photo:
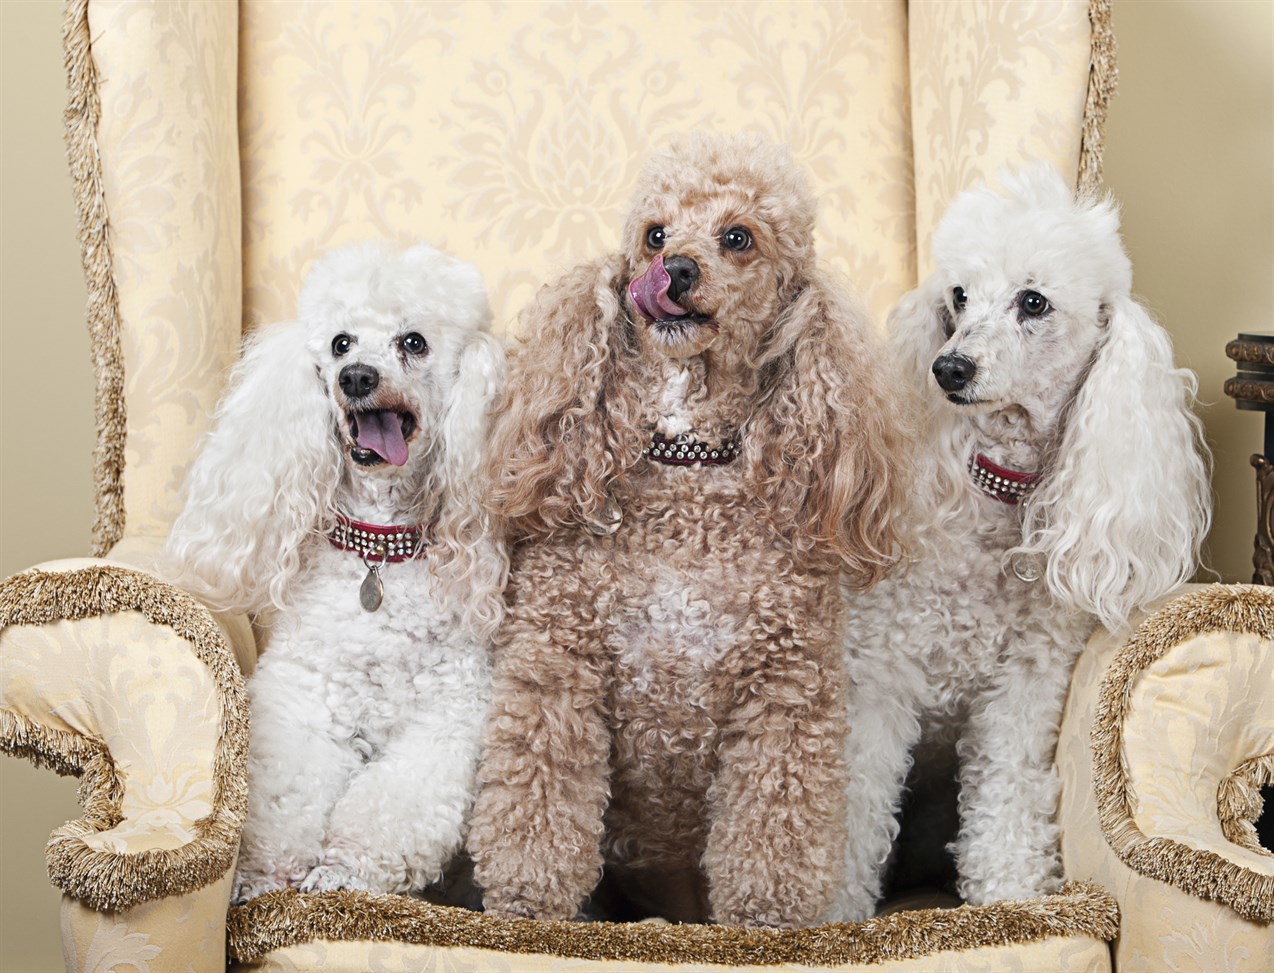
[(684, 451)]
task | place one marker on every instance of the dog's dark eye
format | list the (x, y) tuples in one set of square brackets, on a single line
[(413, 344), (655, 237), (958, 298), (736, 238), (341, 345), (1033, 304)]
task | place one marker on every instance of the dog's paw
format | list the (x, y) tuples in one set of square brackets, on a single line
[(329, 878), (851, 905), (515, 912), (249, 886), (515, 906), (1004, 888)]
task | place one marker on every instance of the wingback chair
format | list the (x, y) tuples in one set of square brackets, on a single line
[(217, 147)]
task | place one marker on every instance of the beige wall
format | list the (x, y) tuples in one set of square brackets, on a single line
[(46, 426), (1191, 155)]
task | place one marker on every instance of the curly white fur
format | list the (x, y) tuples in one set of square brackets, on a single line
[(365, 725), (958, 642)]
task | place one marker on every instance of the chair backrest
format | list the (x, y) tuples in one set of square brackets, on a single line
[(218, 148)]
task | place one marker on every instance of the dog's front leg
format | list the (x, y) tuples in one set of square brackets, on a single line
[(536, 833), (402, 819), (297, 768), (1007, 845), (883, 732), (777, 837)]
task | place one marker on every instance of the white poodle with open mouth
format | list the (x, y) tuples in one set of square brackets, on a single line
[(1060, 481), (337, 498)]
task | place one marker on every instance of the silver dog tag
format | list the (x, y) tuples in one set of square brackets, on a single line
[(1026, 568), (372, 591)]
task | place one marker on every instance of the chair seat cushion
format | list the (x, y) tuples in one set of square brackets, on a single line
[(360, 931)]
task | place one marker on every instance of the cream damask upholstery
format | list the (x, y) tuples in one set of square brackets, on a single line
[(260, 134), (1056, 954), (218, 147), (1154, 728)]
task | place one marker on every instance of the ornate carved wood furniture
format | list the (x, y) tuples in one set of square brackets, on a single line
[(1253, 388)]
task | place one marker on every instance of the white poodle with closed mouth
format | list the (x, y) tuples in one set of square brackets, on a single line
[(337, 499), (1060, 482)]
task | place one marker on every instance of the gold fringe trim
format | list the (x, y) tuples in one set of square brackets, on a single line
[(1234, 608), (1103, 78), (83, 109), (1240, 803), (287, 918), (105, 880)]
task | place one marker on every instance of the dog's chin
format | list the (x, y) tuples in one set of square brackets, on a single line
[(681, 337), (367, 459), (971, 404)]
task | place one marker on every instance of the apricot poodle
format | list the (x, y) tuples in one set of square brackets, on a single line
[(692, 448)]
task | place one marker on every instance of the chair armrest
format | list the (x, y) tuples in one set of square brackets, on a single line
[(110, 674), (1167, 735)]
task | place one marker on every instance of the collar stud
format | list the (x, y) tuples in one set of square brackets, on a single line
[(392, 543), (999, 483)]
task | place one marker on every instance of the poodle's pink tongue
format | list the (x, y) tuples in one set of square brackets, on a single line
[(382, 433), (650, 293)]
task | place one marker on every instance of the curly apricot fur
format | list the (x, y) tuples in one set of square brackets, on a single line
[(668, 696)]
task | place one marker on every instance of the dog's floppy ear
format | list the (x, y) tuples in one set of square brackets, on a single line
[(263, 480), (1122, 512), (469, 561), (824, 449), (566, 423), (919, 325), (916, 335)]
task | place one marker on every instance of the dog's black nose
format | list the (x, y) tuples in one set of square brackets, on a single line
[(954, 372), (684, 272), (358, 380)]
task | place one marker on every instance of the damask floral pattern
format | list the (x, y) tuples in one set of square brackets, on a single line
[(993, 83), (1206, 691), (512, 134), (170, 935), (137, 688), (133, 689), (169, 155)]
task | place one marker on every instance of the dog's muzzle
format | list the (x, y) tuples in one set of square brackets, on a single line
[(381, 435), (656, 293)]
